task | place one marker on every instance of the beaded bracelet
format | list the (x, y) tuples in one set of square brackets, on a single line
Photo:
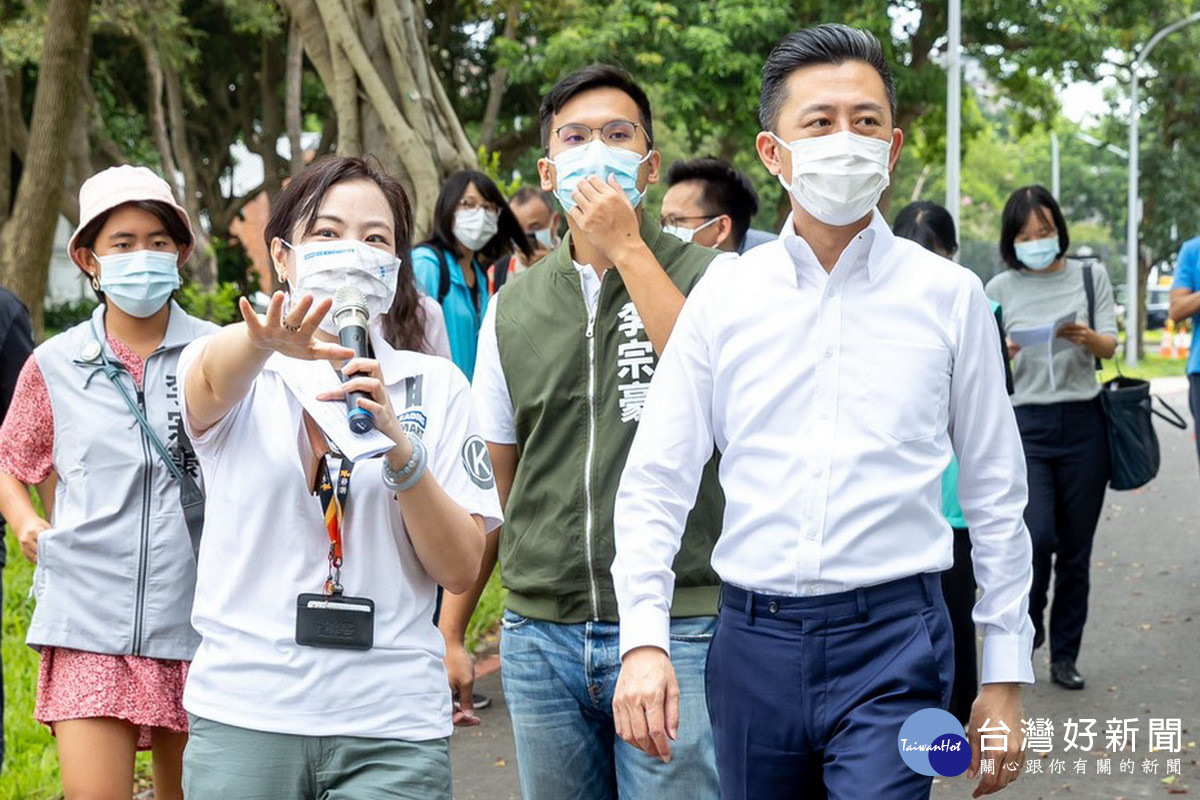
[(407, 477)]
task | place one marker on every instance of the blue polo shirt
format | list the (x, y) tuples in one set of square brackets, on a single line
[(463, 317), (1187, 276)]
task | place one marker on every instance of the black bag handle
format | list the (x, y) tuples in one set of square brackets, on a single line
[(1090, 289), (1175, 419)]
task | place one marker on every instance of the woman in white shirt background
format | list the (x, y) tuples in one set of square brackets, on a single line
[(273, 718)]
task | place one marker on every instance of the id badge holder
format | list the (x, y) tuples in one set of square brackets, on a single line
[(335, 621)]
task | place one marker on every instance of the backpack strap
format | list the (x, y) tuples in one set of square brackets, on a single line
[(443, 287), (1090, 289)]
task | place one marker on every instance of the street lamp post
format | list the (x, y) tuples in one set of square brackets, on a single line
[(1132, 300)]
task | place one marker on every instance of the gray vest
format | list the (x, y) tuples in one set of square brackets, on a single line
[(116, 573)]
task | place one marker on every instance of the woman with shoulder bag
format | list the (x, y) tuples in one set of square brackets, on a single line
[(1060, 414), (319, 673), (116, 560)]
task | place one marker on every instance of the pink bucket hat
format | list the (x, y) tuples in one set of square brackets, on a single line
[(117, 186)]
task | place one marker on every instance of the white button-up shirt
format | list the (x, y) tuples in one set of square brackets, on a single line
[(837, 399)]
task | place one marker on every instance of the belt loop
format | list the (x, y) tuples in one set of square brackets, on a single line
[(749, 607), (860, 602), (926, 588)]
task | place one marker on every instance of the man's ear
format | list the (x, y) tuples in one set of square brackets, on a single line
[(546, 174), (897, 143), (770, 153), (655, 163), (724, 226)]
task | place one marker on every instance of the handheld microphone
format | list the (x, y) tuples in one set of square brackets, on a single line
[(350, 316)]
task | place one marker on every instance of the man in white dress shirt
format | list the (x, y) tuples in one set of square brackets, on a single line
[(837, 369)]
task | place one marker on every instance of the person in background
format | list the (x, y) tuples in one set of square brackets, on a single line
[(16, 343), (472, 226), (836, 370), (931, 226), (1185, 304), (116, 561), (535, 212), (709, 203), (558, 417), (281, 709), (1063, 426)]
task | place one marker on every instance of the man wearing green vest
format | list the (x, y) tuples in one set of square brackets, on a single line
[(566, 353)]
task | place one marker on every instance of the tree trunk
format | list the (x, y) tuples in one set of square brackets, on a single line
[(5, 144), (203, 260), (373, 58), (27, 237), (294, 75), (499, 80)]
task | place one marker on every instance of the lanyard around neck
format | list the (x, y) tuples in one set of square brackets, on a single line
[(333, 503)]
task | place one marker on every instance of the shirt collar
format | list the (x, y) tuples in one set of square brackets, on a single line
[(867, 249), (178, 332)]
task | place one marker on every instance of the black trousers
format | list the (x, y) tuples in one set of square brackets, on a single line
[(1194, 402), (958, 587), (1066, 454)]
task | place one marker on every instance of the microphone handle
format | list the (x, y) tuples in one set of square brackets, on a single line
[(354, 337)]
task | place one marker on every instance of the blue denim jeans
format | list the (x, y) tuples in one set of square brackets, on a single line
[(558, 683)]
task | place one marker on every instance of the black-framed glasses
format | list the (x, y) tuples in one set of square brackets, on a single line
[(617, 132), (674, 221), (468, 204)]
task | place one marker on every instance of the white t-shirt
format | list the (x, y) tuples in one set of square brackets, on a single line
[(265, 543), (437, 341)]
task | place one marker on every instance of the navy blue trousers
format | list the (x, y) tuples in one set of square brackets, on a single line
[(807, 694), (1066, 456)]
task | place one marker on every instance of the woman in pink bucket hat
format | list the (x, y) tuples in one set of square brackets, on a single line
[(95, 416)]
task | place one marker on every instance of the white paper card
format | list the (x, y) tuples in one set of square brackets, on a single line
[(305, 380), (1045, 336)]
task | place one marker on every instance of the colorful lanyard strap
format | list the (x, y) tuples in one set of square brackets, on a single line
[(333, 502)]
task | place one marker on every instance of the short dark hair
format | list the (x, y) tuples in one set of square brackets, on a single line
[(509, 232), (528, 194), (597, 76), (824, 44), (1028, 200), (929, 225), (726, 191)]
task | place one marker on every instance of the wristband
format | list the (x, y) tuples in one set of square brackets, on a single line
[(407, 477)]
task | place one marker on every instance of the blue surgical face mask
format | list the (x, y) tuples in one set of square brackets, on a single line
[(141, 282), (599, 159), (1038, 254)]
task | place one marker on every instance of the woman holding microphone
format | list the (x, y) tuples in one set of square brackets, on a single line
[(319, 672)]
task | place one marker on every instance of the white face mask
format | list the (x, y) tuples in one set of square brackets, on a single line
[(322, 267), (838, 178), (475, 227), (687, 234), (545, 238), (1038, 254)]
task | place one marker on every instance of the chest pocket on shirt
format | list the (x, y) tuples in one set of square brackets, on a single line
[(909, 391)]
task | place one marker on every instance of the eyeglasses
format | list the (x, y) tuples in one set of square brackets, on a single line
[(672, 221), (467, 204), (618, 133)]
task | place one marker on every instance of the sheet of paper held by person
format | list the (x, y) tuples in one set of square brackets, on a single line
[(305, 380), (1045, 336)]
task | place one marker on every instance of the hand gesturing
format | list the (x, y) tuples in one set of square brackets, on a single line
[(292, 334)]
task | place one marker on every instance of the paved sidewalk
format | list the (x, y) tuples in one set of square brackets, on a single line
[(1141, 653)]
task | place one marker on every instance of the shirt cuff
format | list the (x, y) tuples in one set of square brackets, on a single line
[(1008, 657), (646, 625)]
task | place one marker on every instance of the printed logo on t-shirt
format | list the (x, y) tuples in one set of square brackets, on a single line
[(477, 463)]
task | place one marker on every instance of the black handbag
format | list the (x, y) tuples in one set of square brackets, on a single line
[(1132, 441), (1129, 409)]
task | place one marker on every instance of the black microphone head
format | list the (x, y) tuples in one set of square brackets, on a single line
[(349, 307)]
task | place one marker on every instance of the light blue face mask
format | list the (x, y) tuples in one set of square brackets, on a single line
[(1038, 254), (141, 282), (599, 159)]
